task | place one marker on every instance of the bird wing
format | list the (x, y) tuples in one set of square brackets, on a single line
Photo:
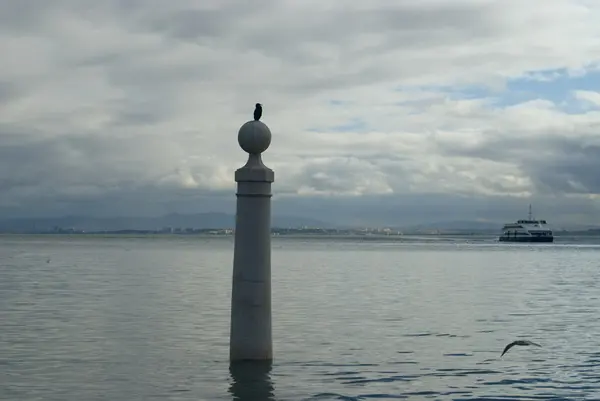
[(509, 346), (518, 342)]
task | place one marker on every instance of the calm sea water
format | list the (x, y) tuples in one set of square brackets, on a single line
[(148, 318)]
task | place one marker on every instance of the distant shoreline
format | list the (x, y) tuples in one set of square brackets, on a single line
[(300, 234)]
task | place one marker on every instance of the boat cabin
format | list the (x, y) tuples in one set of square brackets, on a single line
[(531, 222)]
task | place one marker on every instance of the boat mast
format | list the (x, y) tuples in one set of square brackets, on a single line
[(530, 212)]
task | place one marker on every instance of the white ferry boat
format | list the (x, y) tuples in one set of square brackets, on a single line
[(530, 230)]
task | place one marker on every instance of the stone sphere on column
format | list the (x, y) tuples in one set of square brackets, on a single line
[(254, 137)]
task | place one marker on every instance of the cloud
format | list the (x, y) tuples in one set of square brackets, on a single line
[(592, 98), (133, 106)]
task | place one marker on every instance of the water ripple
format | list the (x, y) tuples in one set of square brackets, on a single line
[(129, 319)]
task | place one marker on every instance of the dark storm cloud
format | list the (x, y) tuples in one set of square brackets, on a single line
[(197, 24), (132, 106), (126, 201), (574, 167), (24, 16), (78, 176), (8, 91), (560, 164), (397, 210), (403, 24), (307, 35), (73, 169)]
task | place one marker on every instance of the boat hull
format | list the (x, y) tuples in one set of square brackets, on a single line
[(527, 239)]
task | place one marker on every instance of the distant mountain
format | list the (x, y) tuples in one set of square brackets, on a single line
[(175, 220), (457, 225), (224, 220), (285, 221), (490, 226)]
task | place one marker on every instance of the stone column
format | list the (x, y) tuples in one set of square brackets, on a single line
[(250, 336)]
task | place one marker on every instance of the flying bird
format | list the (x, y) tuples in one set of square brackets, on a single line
[(257, 112), (518, 342)]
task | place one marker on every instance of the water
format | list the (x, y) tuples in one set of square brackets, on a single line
[(148, 318)]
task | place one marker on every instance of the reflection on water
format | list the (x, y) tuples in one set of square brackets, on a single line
[(251, 381)]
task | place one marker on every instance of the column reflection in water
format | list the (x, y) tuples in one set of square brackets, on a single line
[(251, 381)]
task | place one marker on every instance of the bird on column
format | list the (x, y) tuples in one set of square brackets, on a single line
[(257, 112)]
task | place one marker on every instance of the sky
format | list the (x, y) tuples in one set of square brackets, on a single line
[(381, 111)]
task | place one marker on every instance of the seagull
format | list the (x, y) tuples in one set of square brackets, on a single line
[(257, 112), (518, 342)]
